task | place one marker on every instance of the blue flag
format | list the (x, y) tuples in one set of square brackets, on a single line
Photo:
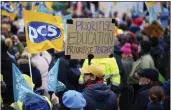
[(44, 9), (21, 89), (64, 21), (53, 83), (152, 15)]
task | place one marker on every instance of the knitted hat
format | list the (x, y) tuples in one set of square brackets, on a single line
[(149, 73), (138, 21), (126, 49), (73, 100), (93, 69)]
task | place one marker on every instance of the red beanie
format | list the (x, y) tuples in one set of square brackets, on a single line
[(138, 21)]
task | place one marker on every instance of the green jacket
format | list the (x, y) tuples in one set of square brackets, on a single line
[(145, 61)]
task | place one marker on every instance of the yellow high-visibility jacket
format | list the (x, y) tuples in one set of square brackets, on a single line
[(110, 68)]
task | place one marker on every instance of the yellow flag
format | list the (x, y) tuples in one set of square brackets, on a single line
[(24, 4), (43, 31), (150, 4), (35, 5), (49, 5), (8, 9)]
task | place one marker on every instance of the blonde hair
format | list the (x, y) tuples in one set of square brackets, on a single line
[(8, 42)]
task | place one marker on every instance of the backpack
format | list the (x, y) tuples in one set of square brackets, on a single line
[(35, 103)]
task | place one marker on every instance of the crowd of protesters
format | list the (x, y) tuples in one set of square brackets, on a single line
[(136, 77)]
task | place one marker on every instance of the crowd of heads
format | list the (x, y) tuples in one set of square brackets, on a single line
[(144, 57)]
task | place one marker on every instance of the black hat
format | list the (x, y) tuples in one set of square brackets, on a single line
[(149, 73)]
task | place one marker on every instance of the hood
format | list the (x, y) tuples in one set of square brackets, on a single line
[(99, 92)]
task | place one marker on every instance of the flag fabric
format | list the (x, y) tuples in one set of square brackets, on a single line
[(21, 89), (150, 4), (53, 83), (35, 6), (65, 18), (153, 8), (43, 31), (44, 9), (152, 15), (49, 5), (8, 9)]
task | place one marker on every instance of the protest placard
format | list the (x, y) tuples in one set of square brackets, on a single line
[(90, 36), (155, 29)]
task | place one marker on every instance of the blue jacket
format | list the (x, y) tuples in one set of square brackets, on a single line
[(166, 87), (99, 97), (154, 106), (141, 99)]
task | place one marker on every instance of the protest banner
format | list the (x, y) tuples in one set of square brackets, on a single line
[(90, 36), (155, 29), (8, 9), (154, 8), (43, 31)]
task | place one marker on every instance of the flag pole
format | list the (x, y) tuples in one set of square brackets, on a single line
[(29, 55)]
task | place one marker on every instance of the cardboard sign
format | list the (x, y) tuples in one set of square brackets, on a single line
[(90, 36), (155, 29)]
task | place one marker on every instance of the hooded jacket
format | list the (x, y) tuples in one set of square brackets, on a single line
[(155, 106), (42, 62), (99, 97)]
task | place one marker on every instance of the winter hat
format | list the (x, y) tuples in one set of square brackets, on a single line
[(73, 100), (134, 47), (149, 73), (94, 69), (126, 49), (138, 21)]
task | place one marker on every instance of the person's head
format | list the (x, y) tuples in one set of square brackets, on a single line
[(9, 43), (138, 21), (73, 100), (144, 47), (123, 26), (126, 50), (5, 29), (148, 76), (115, 14), (156, 94), (92, 72), (124, 17)]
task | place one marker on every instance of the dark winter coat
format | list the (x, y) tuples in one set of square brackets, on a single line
[(154, 106), (141, 99), (99, 97), (24, 67), (6, 70)]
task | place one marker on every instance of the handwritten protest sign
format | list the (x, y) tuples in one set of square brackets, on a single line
[(90, 36)]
